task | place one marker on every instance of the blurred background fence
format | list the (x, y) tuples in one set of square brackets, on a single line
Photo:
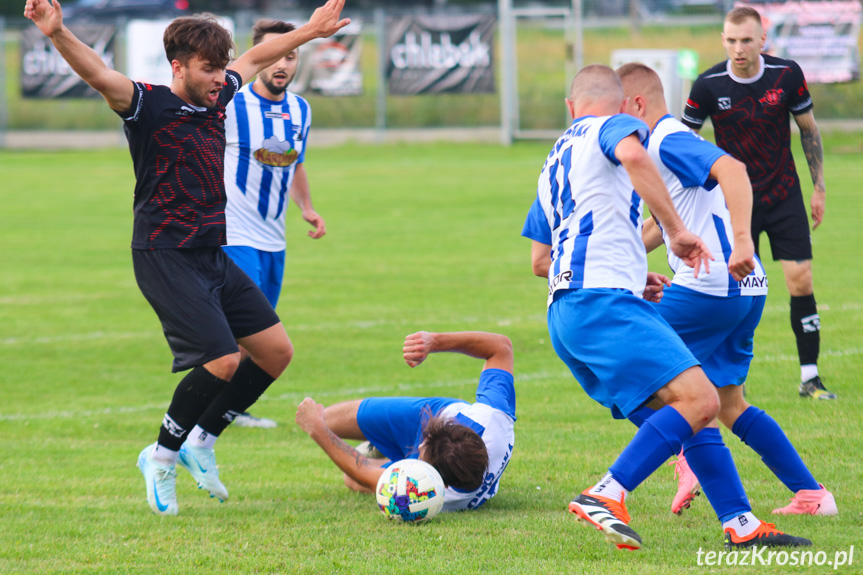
[(534, 49)]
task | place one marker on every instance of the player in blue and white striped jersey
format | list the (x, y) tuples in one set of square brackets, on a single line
[(715, 314), (586, 229), (470, 444), (267, 130)]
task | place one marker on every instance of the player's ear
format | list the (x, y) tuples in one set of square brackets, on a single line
[(570, 105)]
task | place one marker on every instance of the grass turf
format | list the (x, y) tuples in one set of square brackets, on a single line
[(419, 237)]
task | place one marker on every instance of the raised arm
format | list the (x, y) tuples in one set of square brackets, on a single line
[(810, 138), (649, 185), (116, 88), (734, 181), (302, 196), (494, 348), (310, 418), (324, 23)]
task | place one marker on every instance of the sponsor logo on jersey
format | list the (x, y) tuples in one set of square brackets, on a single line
[(752, 282), (276, 153), (277, 115), (724, 103), (772, 97), (561, 277)]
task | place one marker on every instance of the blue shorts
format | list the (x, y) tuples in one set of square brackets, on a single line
[(265, 268), (616, 345), (718, 331), (394, 424)]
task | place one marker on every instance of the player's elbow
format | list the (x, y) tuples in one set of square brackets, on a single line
[(503, 346), (540, 267)]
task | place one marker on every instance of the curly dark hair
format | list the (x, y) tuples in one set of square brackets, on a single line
[(200, 35), (457, 452)]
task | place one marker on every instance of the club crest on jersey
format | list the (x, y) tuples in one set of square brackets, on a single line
[(277, 115), (276, 153), (772, 97), (724, 103)]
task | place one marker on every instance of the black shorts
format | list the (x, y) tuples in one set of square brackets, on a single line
[(787, 227), (204, 301)]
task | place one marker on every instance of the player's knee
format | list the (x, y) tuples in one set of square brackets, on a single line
[(225, 366)]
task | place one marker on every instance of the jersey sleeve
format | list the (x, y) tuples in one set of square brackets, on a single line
[(690, 157), (696, 109), (133, 114), (305, 128), (497, 389), (536, 225), (618, 127), (799, 100), (233, 83)]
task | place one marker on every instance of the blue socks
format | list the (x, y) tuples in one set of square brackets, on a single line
[(709, 458), (657, 439), (761, 432)]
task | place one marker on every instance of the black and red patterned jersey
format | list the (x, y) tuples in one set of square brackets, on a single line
[(752, 123), (178, 152)]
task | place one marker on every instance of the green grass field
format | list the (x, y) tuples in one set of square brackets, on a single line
[(420, 237)]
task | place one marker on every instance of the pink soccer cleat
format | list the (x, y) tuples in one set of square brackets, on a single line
[(810, 502), (687, 485)]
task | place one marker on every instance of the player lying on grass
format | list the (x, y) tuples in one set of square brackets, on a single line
[(715, 314), (469, 444)]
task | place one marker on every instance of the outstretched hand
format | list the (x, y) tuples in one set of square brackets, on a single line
[(325, 20), (417, 347), (692, 250), (46, 14), (310, 415)]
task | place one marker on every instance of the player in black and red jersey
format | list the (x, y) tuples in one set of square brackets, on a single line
[(748, 98), (206, 304)]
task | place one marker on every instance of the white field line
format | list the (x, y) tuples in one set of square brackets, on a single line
[(294, 396), (358, 324)]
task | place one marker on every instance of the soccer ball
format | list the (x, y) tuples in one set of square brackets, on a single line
[(410, 491)]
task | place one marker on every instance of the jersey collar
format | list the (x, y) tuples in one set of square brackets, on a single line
[(281, 102), (751, 80), (660, 120)]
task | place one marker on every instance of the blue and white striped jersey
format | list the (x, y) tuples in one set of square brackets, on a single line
[(266, 140), (684, 159), (587, 210)]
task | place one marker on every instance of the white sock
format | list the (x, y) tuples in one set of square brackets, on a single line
[(743, 524), (164, 456), (609, 488), (201, 439), (808, 371)]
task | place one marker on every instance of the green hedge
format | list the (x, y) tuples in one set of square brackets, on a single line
[(543, 78)]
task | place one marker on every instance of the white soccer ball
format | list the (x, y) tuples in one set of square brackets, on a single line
[(410, 491)]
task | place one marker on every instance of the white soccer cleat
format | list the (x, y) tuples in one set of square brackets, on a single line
[(161, 482), (366, 449), (201, 463), (249, 420)]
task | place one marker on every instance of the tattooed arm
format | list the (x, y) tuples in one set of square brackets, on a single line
[(361, 473), (810, 137)]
